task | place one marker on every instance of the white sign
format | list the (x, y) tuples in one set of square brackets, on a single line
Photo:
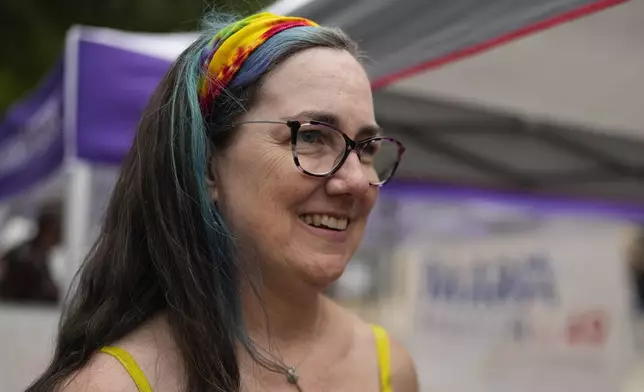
[(546, 309)]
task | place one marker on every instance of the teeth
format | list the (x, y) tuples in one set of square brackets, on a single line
[(323, 220)]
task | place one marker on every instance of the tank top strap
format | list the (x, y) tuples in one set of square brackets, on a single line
[(130, 366), (384, 359)]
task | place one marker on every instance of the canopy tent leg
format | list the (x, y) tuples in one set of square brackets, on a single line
[(77, 211)]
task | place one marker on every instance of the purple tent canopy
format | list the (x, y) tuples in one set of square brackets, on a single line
[(87, 108), (31, 137), (110, 81)]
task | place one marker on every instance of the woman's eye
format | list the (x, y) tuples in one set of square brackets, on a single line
[(311, 136), (371, 148)]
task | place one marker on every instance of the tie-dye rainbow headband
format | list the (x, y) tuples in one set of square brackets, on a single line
[(226, 52)]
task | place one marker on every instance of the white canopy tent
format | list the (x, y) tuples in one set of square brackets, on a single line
[(572, 95), (589, 72)]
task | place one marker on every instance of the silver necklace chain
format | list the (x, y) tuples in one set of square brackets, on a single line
[(293, 378), (290, 372)]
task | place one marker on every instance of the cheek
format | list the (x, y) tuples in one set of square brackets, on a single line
[(259, 192), (370, 199), (277, 185)]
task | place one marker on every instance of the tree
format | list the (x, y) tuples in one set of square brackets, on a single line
[(33, 31)]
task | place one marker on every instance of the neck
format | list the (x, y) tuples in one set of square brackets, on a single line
[(291, 316), (291, 325)]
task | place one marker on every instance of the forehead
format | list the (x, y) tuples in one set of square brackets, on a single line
[(318, 80)]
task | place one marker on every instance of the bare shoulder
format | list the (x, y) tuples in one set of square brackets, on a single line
[(150, 347), (403, 370), (102, 374)]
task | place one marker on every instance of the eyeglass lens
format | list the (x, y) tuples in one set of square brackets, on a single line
[(320, 150)]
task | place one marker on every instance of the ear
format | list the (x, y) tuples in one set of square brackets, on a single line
[(214, 194), (211, 183)]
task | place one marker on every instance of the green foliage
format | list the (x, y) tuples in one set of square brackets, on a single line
[(33, 31)]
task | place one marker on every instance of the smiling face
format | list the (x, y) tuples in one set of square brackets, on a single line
[(271, 206)]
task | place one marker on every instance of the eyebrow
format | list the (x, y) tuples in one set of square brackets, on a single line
[(364, 132)]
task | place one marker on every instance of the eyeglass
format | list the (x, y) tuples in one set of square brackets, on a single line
[(319, 150)]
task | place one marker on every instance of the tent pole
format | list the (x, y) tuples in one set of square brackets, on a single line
[(77, 213), (78, 192)]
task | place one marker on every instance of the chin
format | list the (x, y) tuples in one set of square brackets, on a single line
[(325, 270)]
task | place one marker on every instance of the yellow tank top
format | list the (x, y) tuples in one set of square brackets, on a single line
[(142, 384)]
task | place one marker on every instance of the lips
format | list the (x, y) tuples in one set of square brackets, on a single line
[(326, 221)]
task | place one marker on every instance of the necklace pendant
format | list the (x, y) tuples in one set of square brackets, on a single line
[(291, 375)]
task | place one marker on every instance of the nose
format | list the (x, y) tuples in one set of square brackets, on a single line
[(349, 179)]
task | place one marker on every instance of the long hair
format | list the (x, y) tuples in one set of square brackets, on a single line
[(163, 245)]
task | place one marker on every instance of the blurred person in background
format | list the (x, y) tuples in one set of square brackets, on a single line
[(244, 196), (26, 275)]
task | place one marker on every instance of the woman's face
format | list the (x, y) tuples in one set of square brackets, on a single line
[(267, 201)]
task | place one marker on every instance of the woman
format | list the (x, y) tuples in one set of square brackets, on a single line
[(239, 203)]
